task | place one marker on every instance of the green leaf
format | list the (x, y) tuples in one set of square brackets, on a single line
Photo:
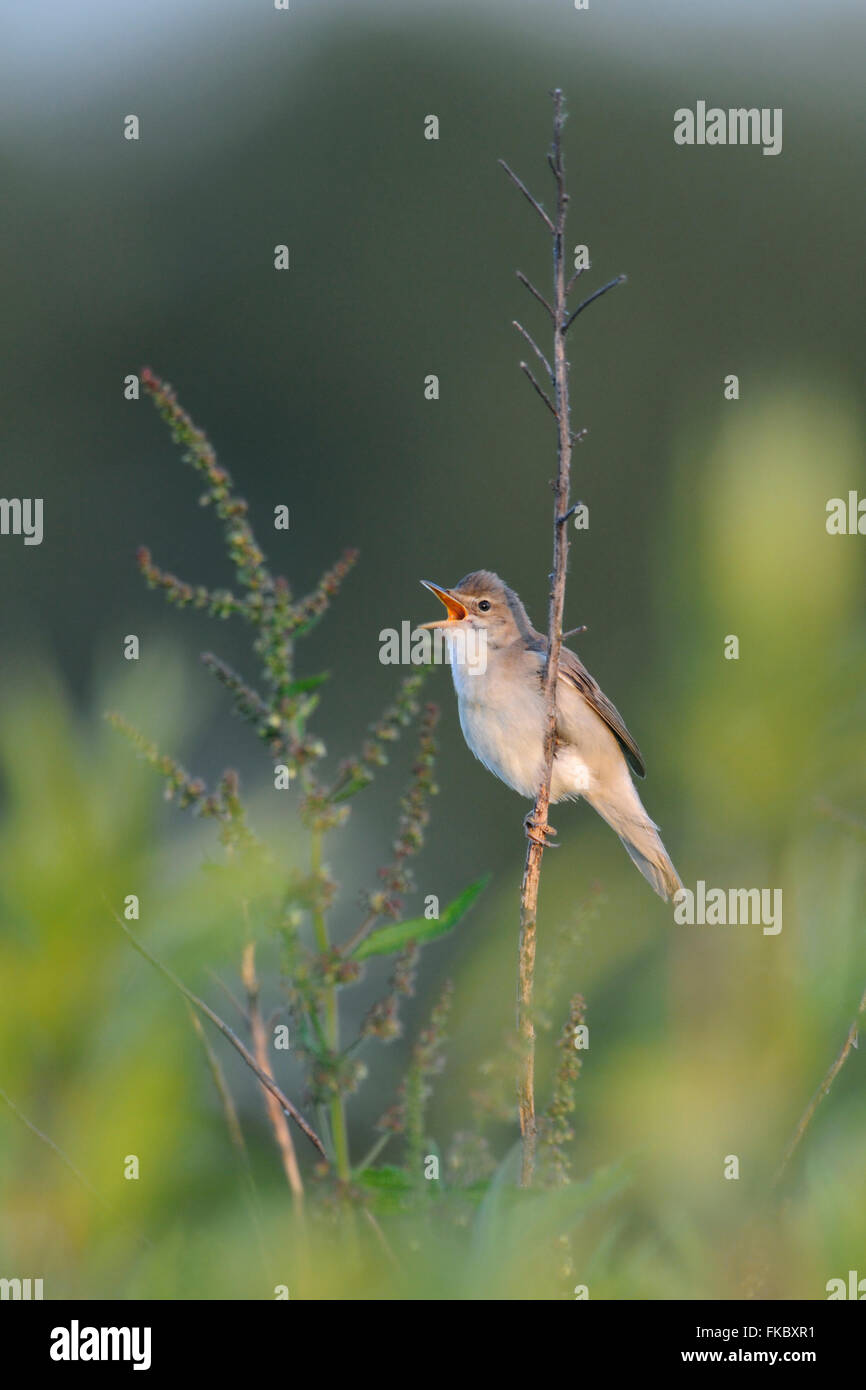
[(420, 929), (303, 628), (513, 1219), (350, 789), (308, 683), (386, 1177), (391, 1189), (489, 1214)]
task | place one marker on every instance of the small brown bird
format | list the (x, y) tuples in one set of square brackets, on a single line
[(497, 662)]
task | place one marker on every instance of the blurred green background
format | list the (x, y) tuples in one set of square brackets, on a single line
[(706, 519)]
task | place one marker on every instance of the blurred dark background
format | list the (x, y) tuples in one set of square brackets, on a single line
[(707, 516), (260, 127)]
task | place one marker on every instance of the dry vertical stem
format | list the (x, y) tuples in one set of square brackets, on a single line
[(260, 1050), (560, 407), (535, 847)]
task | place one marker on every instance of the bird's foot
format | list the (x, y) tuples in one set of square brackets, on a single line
[(535, 833)]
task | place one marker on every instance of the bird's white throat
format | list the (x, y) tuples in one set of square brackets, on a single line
[(467, 651)]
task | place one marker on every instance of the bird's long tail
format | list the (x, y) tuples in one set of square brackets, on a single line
[(641, 838)]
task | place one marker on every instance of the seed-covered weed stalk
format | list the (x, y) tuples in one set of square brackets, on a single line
[(279, 707)]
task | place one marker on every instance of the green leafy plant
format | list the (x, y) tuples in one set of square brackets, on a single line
[(297, 909)]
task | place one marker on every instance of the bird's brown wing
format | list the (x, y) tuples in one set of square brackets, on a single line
[(571, 669)]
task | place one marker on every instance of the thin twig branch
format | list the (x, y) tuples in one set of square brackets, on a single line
[(532, 290), (228, 1033), (282, 1134), (611, 285), (561, 520), (535, 348), (383, 1241), (228, 994), (526, 193), (543, 394), (234, 1126), (55, 1148), (581, 270), (64, 1158), (373, 1153), (363, 931), (806, 1117), (233, 1123)]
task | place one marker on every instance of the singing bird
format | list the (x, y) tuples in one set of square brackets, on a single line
[(497, 663)]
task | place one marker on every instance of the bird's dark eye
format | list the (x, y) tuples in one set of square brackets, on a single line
[(484, 606)]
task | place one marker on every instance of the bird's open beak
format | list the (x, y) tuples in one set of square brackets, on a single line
[(456, 610)]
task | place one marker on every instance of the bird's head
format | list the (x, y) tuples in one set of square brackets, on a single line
[(482, 601)]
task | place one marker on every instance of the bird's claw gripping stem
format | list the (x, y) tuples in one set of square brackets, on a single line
[(535, 833)]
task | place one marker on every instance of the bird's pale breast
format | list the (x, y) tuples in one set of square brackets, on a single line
[(502, 715)]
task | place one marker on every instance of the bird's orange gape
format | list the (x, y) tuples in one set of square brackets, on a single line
[(456, 610)]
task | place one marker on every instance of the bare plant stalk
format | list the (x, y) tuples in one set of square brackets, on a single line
[(332, 1025), (278, 1120), (538, 823), (264, 1077), (806, 1117), (233, 1123)]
